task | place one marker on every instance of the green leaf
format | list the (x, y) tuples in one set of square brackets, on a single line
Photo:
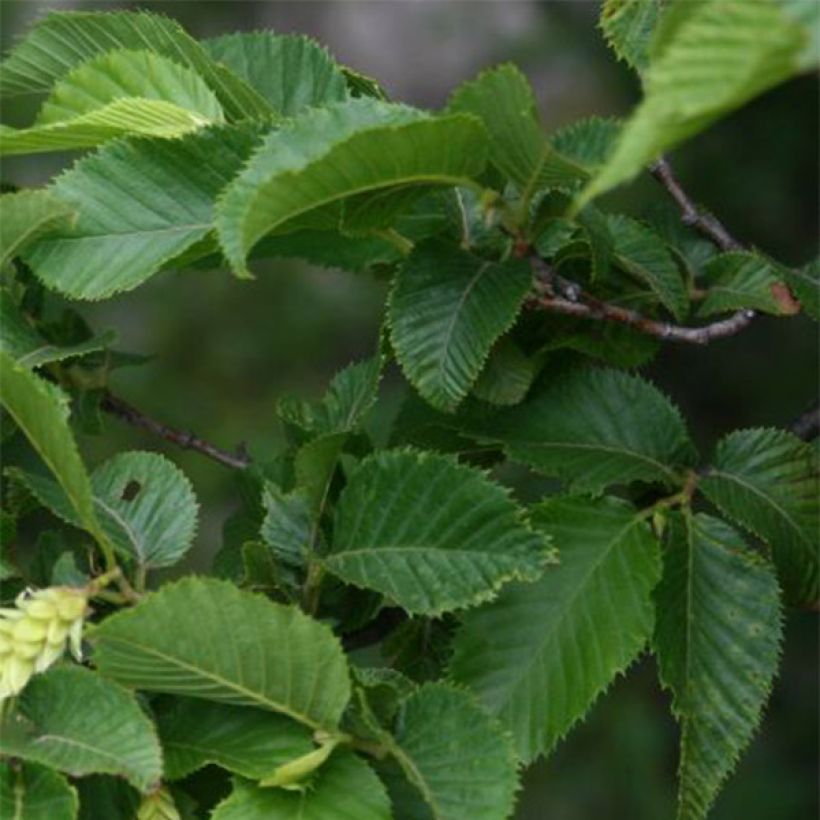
[(430, 534), (345, 788), (41, 412), (717, 640), (205, 638), (805, 282), (745, 280), (249, 742), (507, 375), (288, 525), (27, 215), (594, 428), (291, 72), (628, 26), (592, 615), (143, 502), (141, 202), (28, 348), (61, 41), (588, 141), (503, 99), (455, 754), (642, 253), (79, 723), (316, 160), (447, 309), (712, 58), (30, 792), (767, 481)]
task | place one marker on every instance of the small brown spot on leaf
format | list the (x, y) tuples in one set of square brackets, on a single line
[(786, 302)]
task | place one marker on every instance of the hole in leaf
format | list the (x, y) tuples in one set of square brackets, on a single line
[(131, 490)]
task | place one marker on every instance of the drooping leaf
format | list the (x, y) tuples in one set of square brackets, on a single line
[(317, 160), (61, 41), (344, 788), (430, 534), (503, 99), (79, 723), (592, 614), (642, 253), (595, 428), (290, 71), (768, 481), (27, 215), (708, 59), (246, 741), (143, 502), (459, 759), (447, 309), (31, 792), (628, 26), (745, 280), (205, 638), (717, 640), (141, 202), (506, 376)]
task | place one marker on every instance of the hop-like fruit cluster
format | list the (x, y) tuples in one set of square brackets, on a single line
[(33, 634)]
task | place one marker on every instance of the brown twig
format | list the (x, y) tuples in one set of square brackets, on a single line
[(807, 425), (120, 408)]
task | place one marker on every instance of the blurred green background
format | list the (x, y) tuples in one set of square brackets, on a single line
[(224, 350)]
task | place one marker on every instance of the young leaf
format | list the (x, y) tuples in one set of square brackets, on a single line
[(31, 792), (447, 309), (644, 254), (27, 215), (455, 754), (502, 98), (430, 534), (628, 26), (745, 280), (595, 428), (767, 481), (77, 722), (717, 640), (711, 59), (291, 72), (344, 788), (249, 742), (143, 502), (592, 614), (141, 202), (316, 160), (205, 638), (61, 41)]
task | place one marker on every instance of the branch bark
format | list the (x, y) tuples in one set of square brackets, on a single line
[(126, 412), (807, 425)]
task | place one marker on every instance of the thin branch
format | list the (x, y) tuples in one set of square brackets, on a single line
[(120, 408), (807, 425), (706, 224)]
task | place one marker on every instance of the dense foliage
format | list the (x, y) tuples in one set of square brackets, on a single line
[(388, 630)]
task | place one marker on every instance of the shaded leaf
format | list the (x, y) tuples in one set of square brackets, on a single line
[(628, 26), (506, 376), (288, 524), (31, 792)]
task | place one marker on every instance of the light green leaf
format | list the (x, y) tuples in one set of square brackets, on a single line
[(447, 309), (506, 376), (291, 71), (644, 254), (143, 502), (31, 792), (628, 26), (288, 525), (712, 58), (79, 723), (249, 742), (718, 643), (455, 754), (767, 481), (595, 428), (60, 41), (503, 99), (141, 202), (316, 160), (745, 280), (205, 638), (27, 215), (345, 788), (592, 615), (28, 348), (431, 534)]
